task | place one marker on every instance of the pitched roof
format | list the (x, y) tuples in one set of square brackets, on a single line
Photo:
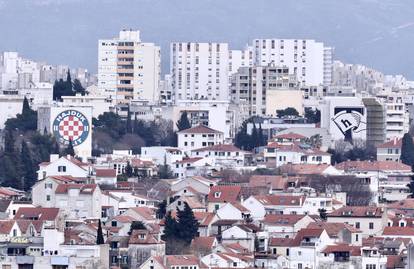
[(353, 250), (203, 242), (276, 200), (305, 233), (223, 193), (393, 143), (137, 238), (4, 204), (37, 213), (200, 129), (275, 182), (282, 220), (189, 160), (357, 211), (101, 172), (280, 241), (145, 212), (290, 135), (83, 188), (332, 228), (401, 231), (174, 260), (220, 147), (6, 226), (373, 166), (305, 169)]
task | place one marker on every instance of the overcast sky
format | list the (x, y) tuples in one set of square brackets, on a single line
[(377, 33)]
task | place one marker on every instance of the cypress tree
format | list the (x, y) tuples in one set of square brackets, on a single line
[(99, 235), (261, 136), (27, 166), (407, 150), (187, 223), (162, 209), (69, 150), (183, 123), (254, 141), (78, 88), (128, 123)]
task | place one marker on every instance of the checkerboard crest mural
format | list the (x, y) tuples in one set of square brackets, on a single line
[(71, 125)]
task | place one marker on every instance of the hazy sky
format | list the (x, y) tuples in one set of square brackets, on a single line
[(377, 33)]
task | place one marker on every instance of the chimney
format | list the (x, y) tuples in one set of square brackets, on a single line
[(54, 157)]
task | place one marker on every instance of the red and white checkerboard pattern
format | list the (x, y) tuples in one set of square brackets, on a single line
[(71, 128)]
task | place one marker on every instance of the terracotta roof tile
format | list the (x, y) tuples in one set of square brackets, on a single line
[(276, 200), (282, 220), (373, 166), (83, 188), (223, 193), (37, 213), (402, 231), (105, 172), (220, 147), (200, 129), (280, 242), (353, 250), (357, 211)]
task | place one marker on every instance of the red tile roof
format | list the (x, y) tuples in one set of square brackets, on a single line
[(135, 238), (282, 220), (373, 166), (280, 242), (203, 242), (223, 193), (83, 188), (305, 169), (286, 200), (100, 172), (145, 212), (276, 182), (353, 250), (357, 211), (200, 129), (189, 160), (333, 228), (220, 147), (304, 233), (37, 213), (393, 143), (174, 260), (290, 135), (400, 231), (6, 226)]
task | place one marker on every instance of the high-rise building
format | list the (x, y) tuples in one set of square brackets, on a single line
[(199, 71), (128, 68), (309, 60), (265, 89)]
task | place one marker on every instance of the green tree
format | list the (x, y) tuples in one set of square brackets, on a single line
[(25, 121), (262, 138), (183, 123), (161, 209), (407, 150), (322, 213), (173, 244), (78, 88), (289, 111), (243, 139), (99, 235), (187, 223), (312, 115), (27, 166), (411, 186), (128, 170), (164, 170), (136, 225), (69, 150), (254, 137)]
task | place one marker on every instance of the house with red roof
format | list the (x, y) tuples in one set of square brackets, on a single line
[(233, 211), (340, 256), (219, 195), (63, 166), (260, 205), (369, 219), (223, 155), (244, 234), (173, 262), (203, 245), (285, 226), (146, 244), (51, 217), (227, 260), (198, 137), (191, 166), (198, 183), (390, 150), (306, 246), (105, 176)]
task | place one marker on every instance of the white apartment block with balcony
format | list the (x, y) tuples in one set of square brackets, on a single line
[(199, 71), (311, 61), (128, 68), (397, 119)]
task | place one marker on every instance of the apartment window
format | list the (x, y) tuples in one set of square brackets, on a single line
[(47, 197), (371, 225), (370, 266), (356, 237), (6, 266), (61, 168), (357, 225), (299, 266), (234, 264)]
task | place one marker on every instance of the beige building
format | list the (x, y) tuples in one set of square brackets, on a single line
[(128, 68), (281, 99)]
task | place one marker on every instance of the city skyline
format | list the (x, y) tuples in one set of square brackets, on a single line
[(63, 33)]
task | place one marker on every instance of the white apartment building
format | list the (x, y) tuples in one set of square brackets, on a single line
[(100, 104), (199, 70), (397, 118), (311, 61), (128, 68), (219, 115), (199, 137)]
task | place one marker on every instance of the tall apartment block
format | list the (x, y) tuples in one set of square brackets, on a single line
[(309, 60), (199, 71), (128, 68)]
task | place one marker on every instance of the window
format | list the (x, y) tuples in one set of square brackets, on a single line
[(357, 225), (370, 266), (356, 237), (234, 264), (6, 266), (47, 197), (61, 168), (216, 207), (371, 225), (299, 266)]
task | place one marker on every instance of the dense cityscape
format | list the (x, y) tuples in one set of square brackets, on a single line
[(276, 155)]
